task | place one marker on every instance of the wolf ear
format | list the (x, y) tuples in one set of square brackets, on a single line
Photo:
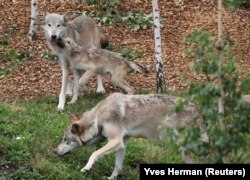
[(75, 129), (73, 119), (45, 13), (65, 20)]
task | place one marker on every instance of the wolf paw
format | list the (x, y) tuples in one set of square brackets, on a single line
[(84, 170), (72, 101), (101, 90), (112, 177), (69, 90), (60, 108)]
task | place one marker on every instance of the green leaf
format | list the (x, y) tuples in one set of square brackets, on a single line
[(245, 85), (12, 54)]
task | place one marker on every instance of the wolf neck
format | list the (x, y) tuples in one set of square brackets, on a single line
[(90, 120), (70, 32)]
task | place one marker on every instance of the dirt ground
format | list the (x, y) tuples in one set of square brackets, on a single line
[(39, 77)]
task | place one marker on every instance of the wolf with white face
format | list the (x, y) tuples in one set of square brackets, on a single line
[(55, 26), (85, 32)]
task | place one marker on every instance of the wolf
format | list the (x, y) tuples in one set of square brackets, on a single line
[(121, 116), (98, 61), (84, 31)]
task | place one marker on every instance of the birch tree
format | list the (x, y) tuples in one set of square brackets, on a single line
[(33, 17), (220, 47), (160, 78)]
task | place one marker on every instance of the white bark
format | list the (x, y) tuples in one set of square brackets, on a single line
[(33, 22), (220, 46), (158, 53)]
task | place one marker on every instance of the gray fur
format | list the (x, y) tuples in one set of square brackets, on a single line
[(85, 32), (119, 117)]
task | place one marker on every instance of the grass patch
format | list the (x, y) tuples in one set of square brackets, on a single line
[(30, 130)]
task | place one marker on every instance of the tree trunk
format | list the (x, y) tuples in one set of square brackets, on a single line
[(220, 47), (33, 22), (160, 78)]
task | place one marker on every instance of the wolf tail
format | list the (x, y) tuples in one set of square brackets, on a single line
[(104, 40), (137, 67)]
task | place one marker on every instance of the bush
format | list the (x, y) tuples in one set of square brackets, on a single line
[(223, 143)]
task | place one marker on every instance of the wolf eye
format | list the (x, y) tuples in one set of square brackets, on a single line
[(66, 140), (49, 25), (58, 25)]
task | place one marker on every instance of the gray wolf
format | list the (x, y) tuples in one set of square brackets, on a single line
[(119, 117), (98, 61), (85, 32)]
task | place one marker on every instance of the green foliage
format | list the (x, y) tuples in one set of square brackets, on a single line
[(9, 30), (206, 94), (11, 55), (4, 42), (127, 53), (133, 21), (131, 55), (48, 56), (111, 14), (137, 20), (237, 3), (15, 59), (105, 5), (107, 19)]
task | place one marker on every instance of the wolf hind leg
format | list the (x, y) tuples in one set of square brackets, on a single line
[(85, 78), (121, 83), (100, 88)]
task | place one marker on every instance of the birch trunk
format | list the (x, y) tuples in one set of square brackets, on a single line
[(160, 79), (220, 47), (33, 17)]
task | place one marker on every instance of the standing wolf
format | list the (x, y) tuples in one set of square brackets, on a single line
[(85, 32)]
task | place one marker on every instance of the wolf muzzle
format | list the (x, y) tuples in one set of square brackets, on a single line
[(60, 43)]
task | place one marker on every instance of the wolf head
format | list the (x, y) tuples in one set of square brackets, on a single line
[(54, 26), (71, 138), (68, 45), (78, 134)]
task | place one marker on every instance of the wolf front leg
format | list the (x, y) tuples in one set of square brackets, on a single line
[(65, 75), (76, 85), (112, 145), (119, 160)]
